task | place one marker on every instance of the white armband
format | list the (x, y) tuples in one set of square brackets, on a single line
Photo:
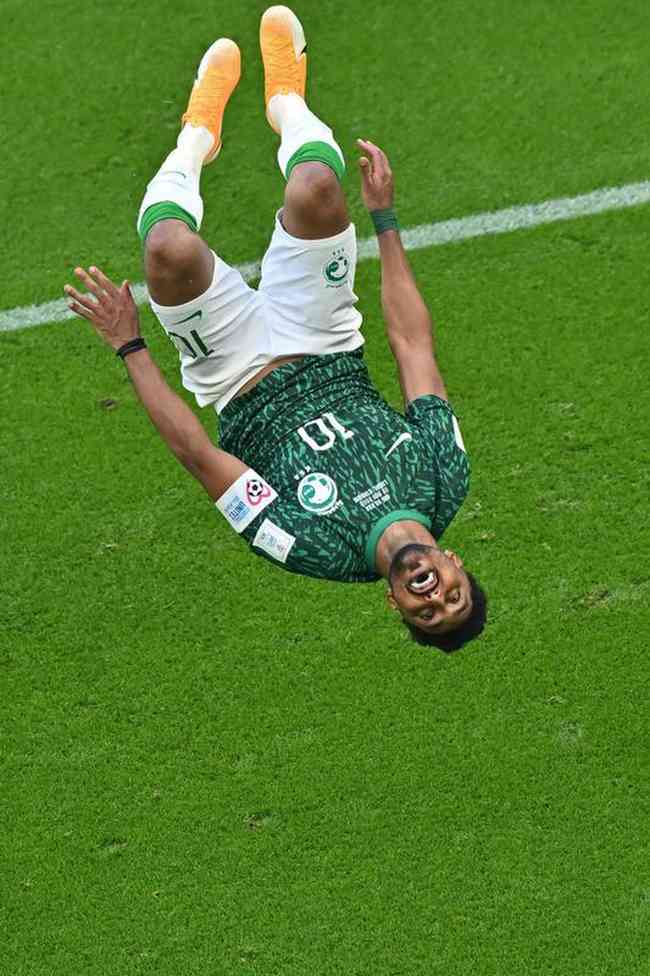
[(245, 499)]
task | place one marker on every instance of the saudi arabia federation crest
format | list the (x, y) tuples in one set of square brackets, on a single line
[(317, 493)]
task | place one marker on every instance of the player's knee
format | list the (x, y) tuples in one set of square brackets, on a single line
[(178, 265), (314, 187), (169, 249)]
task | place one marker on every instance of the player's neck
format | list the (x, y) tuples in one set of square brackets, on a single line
[(396, 536)]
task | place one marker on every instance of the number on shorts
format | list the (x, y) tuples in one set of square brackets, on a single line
[(326, 431), (187, 346)]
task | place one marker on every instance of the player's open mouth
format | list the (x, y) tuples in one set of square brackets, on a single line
[(423, 582)]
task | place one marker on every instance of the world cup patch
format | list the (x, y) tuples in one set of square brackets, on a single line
[(256, 491), (337, 269), (245, 500)]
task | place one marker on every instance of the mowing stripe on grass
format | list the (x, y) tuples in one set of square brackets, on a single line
[(426, 235)]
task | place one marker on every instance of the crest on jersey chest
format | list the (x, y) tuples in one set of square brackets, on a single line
[(318, 493)]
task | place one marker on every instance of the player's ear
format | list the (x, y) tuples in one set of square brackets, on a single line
[(455, 558), (391, 600)]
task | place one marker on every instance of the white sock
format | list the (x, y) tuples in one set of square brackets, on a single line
[(177, 180), (298, 125)]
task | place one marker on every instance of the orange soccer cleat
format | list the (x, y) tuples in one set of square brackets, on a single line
[(217, 77), (283, 45)]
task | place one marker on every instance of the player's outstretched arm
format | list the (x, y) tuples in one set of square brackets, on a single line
[(409, 328), (114, 317)]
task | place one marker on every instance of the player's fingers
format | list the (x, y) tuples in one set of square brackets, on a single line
[(81, 299), (83, 312), (90, 283), (380, 152), (103, 281), (365, 162), (379, 170), (126, 295), (382, 157), (372, 151)]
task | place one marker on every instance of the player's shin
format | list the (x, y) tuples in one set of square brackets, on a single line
[(304, 137), (174, 192)]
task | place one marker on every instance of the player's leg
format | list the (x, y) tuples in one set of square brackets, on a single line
[(309, 267), (309, 157), (314, 202), (212, 316), (179, 265)]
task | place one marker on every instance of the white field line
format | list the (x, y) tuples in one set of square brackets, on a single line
[(426, 235)]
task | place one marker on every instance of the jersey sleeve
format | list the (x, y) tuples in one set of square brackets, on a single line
[(277, 528), (445, 455), (284, 535)]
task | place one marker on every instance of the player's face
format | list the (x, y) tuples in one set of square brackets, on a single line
[(430, 588)]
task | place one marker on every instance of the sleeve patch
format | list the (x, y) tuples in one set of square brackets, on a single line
[(245, 500), (274, 540), (458, 436)]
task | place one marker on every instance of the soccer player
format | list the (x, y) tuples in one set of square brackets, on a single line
[(315, 470)]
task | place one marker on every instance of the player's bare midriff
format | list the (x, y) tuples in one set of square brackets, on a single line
[(265, 370)]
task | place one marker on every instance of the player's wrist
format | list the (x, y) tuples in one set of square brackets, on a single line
[(384, 219), (130, 346)]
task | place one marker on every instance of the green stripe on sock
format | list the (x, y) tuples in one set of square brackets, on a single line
[(317, 152), (164, 211)]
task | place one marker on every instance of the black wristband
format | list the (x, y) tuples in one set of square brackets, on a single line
[(131, 346), (384, 220)]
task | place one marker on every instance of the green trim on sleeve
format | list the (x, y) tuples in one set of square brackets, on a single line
[(379, 527), (168, 210), (317, 152)]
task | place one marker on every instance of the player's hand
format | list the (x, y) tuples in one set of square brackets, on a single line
[(376, 177), (112, 313)]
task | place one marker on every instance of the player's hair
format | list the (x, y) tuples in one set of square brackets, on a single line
[(467, 631)]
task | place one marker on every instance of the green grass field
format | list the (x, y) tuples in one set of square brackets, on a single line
[(214, 768)]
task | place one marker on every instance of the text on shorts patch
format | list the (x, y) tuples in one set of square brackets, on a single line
[(274, 540)]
